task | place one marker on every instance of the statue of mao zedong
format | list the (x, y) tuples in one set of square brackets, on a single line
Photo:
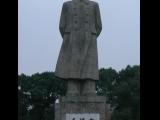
[(80, 25)]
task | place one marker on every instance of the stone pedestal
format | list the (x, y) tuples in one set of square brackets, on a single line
[(82, 108)]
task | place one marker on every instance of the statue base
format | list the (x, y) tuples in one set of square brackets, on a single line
[(82, 108)]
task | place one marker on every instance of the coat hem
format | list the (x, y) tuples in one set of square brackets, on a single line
[(75, 78)]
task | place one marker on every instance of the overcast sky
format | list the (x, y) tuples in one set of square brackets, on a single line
[(39, 40)]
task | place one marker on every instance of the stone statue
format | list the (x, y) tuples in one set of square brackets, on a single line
[(80, 25)]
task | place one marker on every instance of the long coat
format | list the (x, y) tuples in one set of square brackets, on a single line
[(80, 25)]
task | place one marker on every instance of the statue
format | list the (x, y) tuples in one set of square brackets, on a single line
[(80, 25)]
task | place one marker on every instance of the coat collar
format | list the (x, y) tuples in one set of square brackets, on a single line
[(85, 1)]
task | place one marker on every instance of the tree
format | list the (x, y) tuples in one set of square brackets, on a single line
[(23, 98), (41, 90), (37, 93), (105, 86), (122, 90), (46, 88), (127, 93)]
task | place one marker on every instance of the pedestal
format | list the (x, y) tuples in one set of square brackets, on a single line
[(82, 108)]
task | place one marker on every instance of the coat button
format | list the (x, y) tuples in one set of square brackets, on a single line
[(75, 14), (86, 21)]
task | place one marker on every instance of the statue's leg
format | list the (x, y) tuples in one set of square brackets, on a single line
[(73, 87), (88, 87)]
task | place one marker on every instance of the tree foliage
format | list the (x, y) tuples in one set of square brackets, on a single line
[(122, 90), (37, 93), (128, 94)]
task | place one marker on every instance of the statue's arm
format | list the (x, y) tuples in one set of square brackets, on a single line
[(98, 20), (62, 23)]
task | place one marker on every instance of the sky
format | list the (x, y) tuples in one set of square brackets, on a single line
[(39, 39)]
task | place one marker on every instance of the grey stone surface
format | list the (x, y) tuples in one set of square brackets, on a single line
[(82, 99), (83, 116), (79, 87), (82, 105), (80, 25)]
